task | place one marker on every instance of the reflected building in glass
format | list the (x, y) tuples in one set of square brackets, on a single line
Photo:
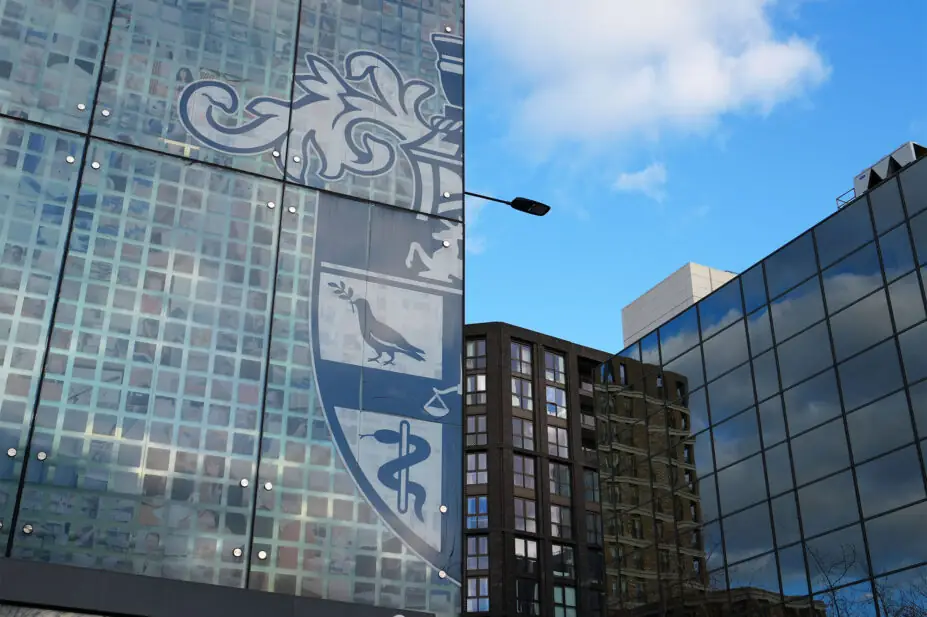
[(770, 439), (231, 306)]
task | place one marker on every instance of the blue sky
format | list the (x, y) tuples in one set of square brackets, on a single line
[(665, 132)]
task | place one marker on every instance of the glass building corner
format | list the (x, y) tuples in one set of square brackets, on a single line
[(764, 450)]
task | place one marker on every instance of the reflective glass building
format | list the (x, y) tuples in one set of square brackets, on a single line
[(763, 452), (231, 305)]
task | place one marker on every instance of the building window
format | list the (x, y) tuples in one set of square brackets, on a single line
[(637, 527), (476, 354), (477, 594), (521, 394), (622, 374), (664, 560), (561, 525), (524, 471), (555, 367), (587, 420), (560, 480), (562, 561), (477, 552), (556, 402), (476, 390), (526, 555), (526, 598), (594, 528), (558, 442), (523, 434), (596, 570), (477, 513), (595, 604), (476, 430), (526, 517), (521, 358), (591, 485), (476, 468), (564, 601)]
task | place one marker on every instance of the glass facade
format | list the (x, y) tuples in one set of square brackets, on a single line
[(231, 293), (764, 450)]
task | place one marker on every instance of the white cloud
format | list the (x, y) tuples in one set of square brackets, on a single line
[(592, 71), (650, 181)]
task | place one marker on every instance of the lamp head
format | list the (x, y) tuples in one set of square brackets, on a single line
[(529, 206)]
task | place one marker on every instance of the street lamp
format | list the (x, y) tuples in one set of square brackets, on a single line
[(522, 204)]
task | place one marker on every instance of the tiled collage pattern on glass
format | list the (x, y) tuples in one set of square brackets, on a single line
[(182, 270), (799, 456)]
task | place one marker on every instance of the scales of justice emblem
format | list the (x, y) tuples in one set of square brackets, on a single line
[(387, 297)]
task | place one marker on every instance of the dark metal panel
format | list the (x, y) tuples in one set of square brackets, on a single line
[(111, 593)]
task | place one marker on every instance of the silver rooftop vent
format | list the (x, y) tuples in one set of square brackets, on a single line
[(889, 166)]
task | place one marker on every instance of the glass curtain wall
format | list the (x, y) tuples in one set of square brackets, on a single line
[(767, 445), (231, 292)]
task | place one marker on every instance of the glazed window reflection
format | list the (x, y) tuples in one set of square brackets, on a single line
[(885, 201), (880, 426), (849, 338), (679, 334), (843, 232), (852, 278), (790, 265), (720, 309), (890, 482), (897, 256), (907, 301), (797, 310), (725, 351)]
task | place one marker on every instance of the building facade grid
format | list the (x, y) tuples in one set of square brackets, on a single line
[(542, 487), (801, 390), (159, 408)]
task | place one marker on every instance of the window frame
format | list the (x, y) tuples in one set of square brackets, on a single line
[(524, 474), (519, 440), (480, 469), (560, 484), (562, 523), (478, 357), (480, 515), (560, 447), (554, 407), (551, 374), (530, 520), (476, 437), (518, 362)]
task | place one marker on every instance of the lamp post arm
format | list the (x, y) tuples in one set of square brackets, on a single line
[(488, 198)]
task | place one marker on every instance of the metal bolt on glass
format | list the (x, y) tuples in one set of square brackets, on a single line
[(271, 205), (244, 482), (292, 209), (69, 158), (275, 154), (262, 555), (447, 195), (105, 113), (448, 29), (27, 529), (81, 107), (442, 574), (41, 456), (11, 452), (1, 524), (237, 552), (296, 159), (443, 509), (268, 486), (95, 165)]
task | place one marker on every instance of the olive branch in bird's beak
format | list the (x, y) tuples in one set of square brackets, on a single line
[(345, 293)]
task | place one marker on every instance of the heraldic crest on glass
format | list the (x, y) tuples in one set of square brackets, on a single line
[(387, 301)]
